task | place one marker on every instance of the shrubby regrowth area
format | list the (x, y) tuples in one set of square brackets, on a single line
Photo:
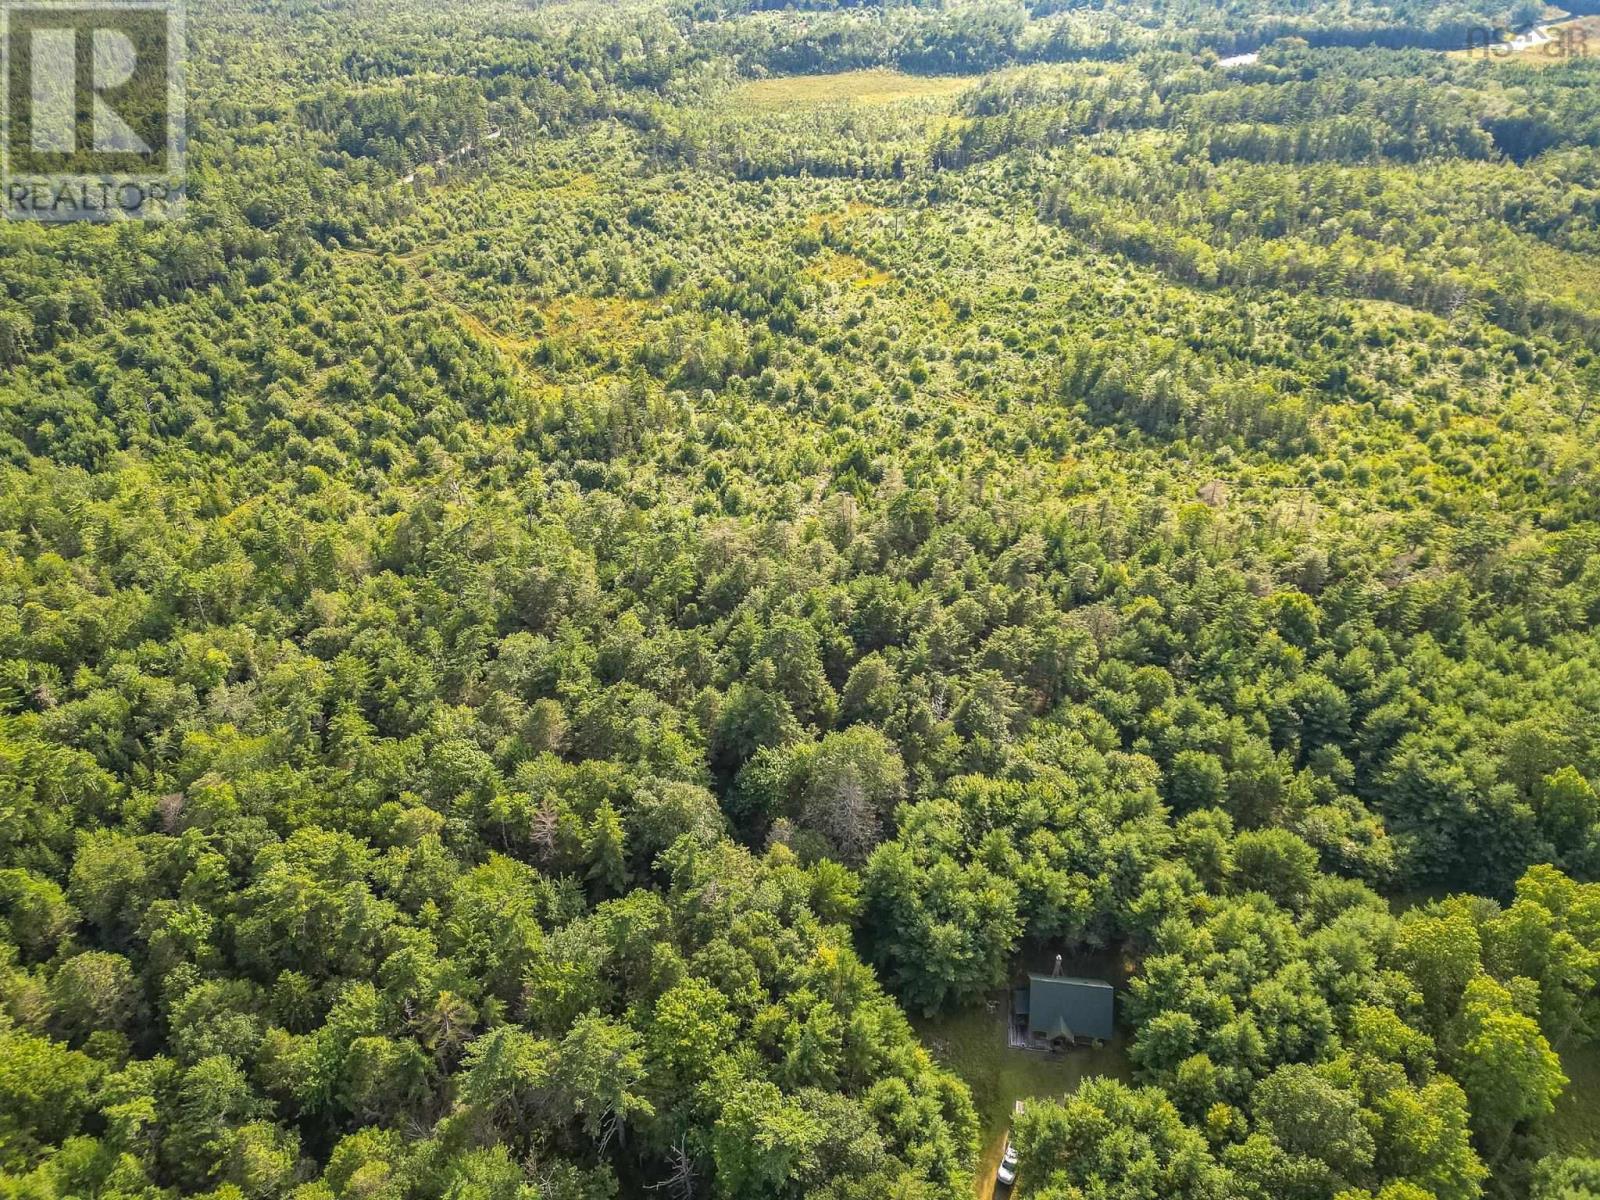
[(619, 551)]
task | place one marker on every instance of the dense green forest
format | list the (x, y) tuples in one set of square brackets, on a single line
[(621, 555)]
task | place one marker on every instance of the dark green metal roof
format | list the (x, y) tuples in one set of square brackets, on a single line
[(1062, 1006)]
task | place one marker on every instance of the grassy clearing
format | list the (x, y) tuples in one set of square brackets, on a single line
[(575, 316), (1559, 273), (848, 270), (852, 211), (877, 86), (973, 1045)]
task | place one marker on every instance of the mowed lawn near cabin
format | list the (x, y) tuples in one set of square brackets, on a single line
[(877, 86), (972, 1043), (1574, 1127)]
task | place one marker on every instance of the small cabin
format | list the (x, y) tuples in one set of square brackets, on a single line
[(1061, 1010)]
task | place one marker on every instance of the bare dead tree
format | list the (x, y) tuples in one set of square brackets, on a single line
[(679, 1183), (542, 829), (846, 816)]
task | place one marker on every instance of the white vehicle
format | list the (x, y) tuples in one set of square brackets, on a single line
[(1007, 1174)]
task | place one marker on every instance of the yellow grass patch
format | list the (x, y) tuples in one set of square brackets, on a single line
[(506, 343), (1559, 273), (840, 216), (575, 316), (581, 184), (847, 269), (877, 86)]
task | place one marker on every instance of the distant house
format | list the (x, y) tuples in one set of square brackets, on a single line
[(1060, 1009)]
